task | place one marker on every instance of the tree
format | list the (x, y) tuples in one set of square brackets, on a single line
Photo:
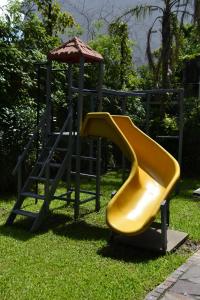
[(119, 30), (116, 49), (197, 13), (55, 21), (24, 40), (163, 62)]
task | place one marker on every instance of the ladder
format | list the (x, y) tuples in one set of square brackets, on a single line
[(41, 172)]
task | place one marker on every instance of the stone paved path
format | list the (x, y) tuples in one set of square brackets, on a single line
[(183, 284)]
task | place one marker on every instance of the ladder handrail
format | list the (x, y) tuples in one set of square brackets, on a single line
[(56, 143), (27, 147)]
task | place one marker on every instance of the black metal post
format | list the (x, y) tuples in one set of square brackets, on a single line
[(91, 142), (181, 125), (78, 138), (148, 112), (19, 179), (69, 76), (98, 166), (123, 100), (48, 97), (164, 224)]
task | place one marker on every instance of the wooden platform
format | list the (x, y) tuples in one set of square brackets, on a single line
[(152, 240)]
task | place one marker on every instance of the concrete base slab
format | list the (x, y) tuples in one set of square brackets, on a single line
[(196, 193), (151, 239)]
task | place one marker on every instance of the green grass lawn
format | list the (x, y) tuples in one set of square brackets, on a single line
[(67, 260)]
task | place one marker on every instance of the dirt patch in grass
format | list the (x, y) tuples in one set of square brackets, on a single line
[(190, 246)]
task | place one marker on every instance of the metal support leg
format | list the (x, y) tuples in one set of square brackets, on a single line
[(164, 224), (111, 237), (78, 141), (45, 207), (70, 142), (98, 174), (98, 163), (20, 199)]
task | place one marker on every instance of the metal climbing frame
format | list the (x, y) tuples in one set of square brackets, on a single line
[(78, 155), (49, 144), (73, 186), (147, 99)]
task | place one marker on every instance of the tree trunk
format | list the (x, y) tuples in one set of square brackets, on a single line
[(166, 45), (197, 12)]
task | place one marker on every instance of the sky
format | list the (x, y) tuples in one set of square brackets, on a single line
[(2, 3)]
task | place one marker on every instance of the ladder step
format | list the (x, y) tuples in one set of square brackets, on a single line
[(61, 149), (57, 149), (25, 213), (167, 136), (32, 195), (65, 133), (42, 179), (85, 175), (85, 157), (53, 165)]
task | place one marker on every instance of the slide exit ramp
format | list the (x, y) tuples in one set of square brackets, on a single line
[(153, 173)]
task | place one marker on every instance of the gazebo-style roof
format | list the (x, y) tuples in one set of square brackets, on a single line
[(72, 51)]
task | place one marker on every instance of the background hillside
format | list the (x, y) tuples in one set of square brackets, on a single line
[(86, 12)]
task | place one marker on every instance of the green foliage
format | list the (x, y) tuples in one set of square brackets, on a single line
[(55, 21), (119, 31), (163, 64), (146, 80), (16, 125), (24, 40), (191, 142), (141, 11), (109, 49), (191, 42), (116, 50), (170, 124)]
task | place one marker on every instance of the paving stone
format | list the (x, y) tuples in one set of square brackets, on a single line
[(185, 286), (192, 275), (167, 284), (155, 294), (150, 297), (174, 296), (160, 289), (172, 279)]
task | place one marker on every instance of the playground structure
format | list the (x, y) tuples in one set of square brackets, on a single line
[(50, 145)]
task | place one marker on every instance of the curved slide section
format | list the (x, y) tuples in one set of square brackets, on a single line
[(153, 173)]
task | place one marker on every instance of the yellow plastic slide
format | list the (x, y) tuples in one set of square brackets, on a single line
[(153, 173)]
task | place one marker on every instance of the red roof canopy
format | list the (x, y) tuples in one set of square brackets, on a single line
[(72, 51)]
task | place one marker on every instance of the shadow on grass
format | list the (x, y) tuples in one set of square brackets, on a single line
[(186, 188), (127, 253), (21, 228), (117, 251), (82, 231), (78, 231), (7, 198)]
